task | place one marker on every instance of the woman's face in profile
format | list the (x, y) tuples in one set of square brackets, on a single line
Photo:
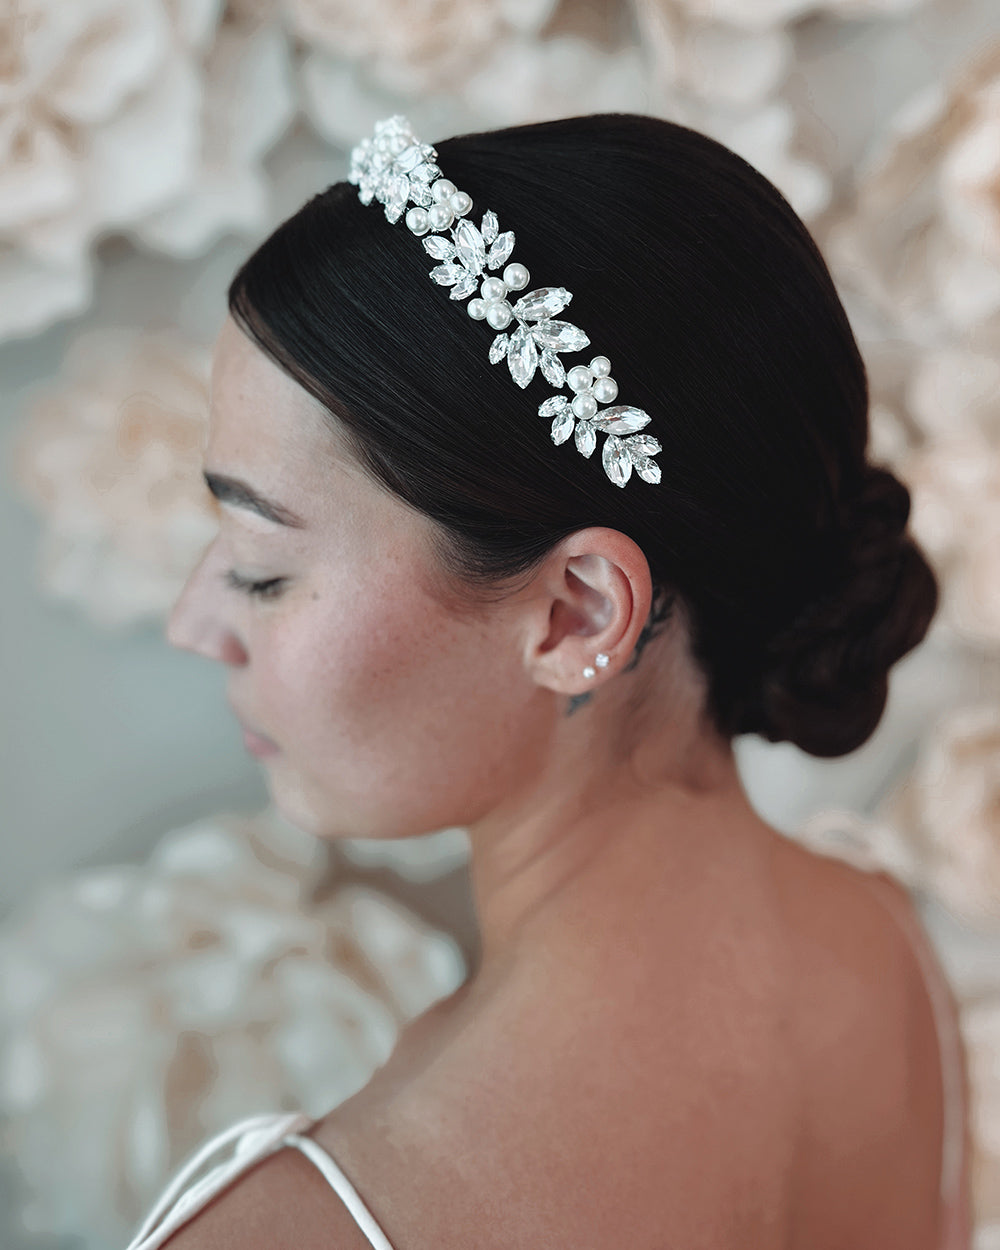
[(388, 714)]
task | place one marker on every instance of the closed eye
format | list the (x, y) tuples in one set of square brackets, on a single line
[(262, 590)]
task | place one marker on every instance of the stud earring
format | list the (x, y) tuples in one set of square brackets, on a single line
[(601, 660)]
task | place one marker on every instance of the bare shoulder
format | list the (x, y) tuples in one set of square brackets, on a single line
[(283, 1202), (867, 1033)]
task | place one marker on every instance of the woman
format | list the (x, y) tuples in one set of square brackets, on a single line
[(684, 1028)]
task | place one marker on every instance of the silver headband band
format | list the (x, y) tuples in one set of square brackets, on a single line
[(397, 169)]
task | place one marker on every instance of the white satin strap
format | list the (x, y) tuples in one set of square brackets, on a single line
[(255, 1136), (345, 1190)]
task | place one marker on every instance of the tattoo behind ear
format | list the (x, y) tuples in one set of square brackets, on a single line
[(578, 700)]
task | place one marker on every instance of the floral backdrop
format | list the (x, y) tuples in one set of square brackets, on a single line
[(132, 995)]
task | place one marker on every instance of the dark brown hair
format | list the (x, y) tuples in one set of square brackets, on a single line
[(695, 276)]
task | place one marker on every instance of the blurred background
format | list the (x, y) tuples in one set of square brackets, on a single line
[(172, 955)]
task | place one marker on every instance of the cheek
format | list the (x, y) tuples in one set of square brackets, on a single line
[(391, 713)]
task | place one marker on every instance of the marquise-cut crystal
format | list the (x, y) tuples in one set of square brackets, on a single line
[(552, 368), (560, 336), (545, 302), (643, 445), (420, 193), (616, 460), (562, 426), (490, 227), (586, 438), (498, 349), (501, 249), (410, 158), (464, 286), (621, 420), (398, 194), (469, 246), (647, 469), (522, 356), (439, 247), (425, 173), (555, 403), (447, 275)]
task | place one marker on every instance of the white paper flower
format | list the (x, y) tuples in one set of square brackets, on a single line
[(922, 241), (949, 809), (140, 116), (417, 859), (414, 46), (249, 102), (99, 115), (146, 1007), (757, 14), (561, 75), (111, 453)]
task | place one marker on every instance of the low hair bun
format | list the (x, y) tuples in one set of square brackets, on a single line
[(825, 674)]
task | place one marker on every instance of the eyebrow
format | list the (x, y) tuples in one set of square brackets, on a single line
[(232, 491)]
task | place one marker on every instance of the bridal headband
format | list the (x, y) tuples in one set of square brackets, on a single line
[(397, 169)]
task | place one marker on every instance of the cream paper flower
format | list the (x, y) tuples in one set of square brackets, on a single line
[(111, 454), (249, 100), (106, 125), (564, 74), (414, 46), (146, 1007), (947, 450), (99, 106), (922, 240), (758, 14), (948, 808)]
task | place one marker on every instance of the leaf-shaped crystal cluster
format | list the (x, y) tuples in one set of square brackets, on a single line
[(396, 169)]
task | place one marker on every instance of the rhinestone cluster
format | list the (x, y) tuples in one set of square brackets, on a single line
[(396, 169)]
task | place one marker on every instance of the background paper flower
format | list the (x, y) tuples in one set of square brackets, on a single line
[(147, 1007), (111, 454)]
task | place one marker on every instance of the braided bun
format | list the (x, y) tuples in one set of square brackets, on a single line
[(824, 679)]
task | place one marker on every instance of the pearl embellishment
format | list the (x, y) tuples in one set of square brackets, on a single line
[(516, 276), (418, 221), (579, 378), (605, 390), (442, 189), (499, 314), (493, 288), (440, 215)]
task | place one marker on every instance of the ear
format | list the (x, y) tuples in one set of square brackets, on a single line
[(593, 595)]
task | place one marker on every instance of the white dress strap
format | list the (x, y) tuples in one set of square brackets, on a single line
[(255, 1137), (345, 1190)]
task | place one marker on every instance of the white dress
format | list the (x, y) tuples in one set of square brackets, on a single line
[(252, 1139)]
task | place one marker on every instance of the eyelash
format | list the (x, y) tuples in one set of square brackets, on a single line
[(259, 590)]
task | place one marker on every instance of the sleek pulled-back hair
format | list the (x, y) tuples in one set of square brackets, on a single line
[(788, 551)]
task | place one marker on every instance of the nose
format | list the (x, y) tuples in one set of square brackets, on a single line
[(199, 621)]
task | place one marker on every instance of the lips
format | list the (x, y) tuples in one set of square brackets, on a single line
[(259, 740)]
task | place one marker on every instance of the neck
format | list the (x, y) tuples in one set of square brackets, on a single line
[(594, 827)]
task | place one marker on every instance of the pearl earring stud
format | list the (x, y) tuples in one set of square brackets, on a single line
[(590, 672)]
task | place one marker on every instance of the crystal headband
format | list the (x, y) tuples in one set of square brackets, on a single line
[(395, 168)]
